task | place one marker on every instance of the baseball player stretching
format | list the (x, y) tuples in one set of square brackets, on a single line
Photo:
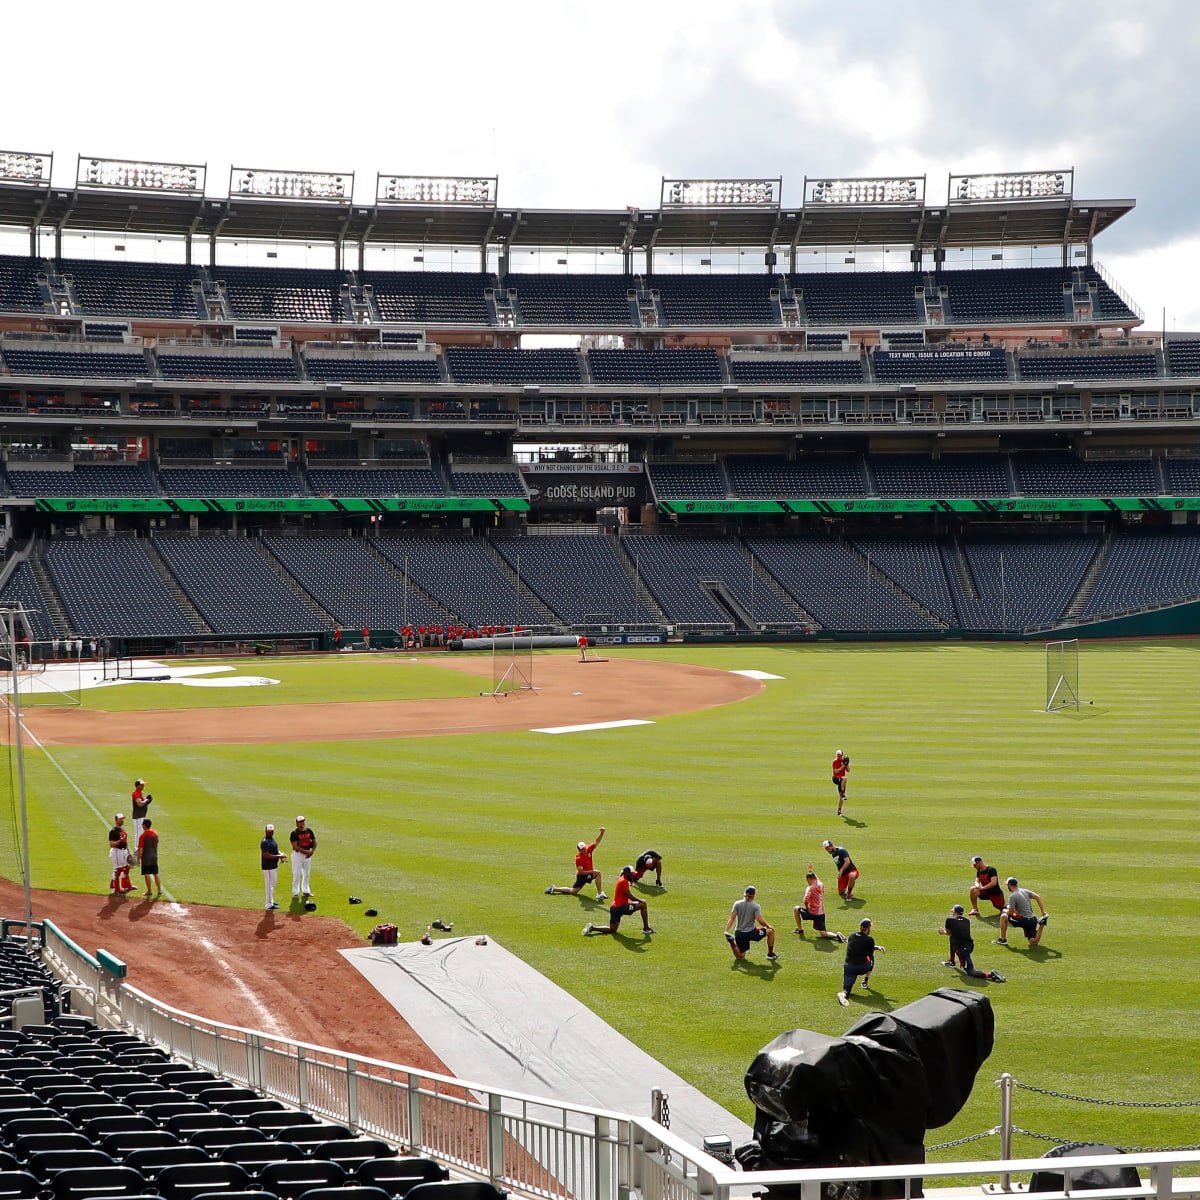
[(304, 842)]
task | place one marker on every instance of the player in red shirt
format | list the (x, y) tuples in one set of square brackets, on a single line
[(623, 904), (841, 768), (585, 872)]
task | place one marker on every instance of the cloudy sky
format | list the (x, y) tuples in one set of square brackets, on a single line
[(591, 105)]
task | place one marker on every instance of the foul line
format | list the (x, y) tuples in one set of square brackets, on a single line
[(588, 728), (265, 1016), (70, 782)]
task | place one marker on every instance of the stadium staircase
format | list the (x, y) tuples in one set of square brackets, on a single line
[(962, 570), (888, 582), (768, 581), (523, 590), (1091, 577), (791, 310), (50, 597), (413, 589), (177, 593), (645, 595), (294, 584)]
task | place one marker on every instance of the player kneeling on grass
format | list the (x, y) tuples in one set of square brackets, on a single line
[(623, 904), (861, 948), (747, 915), (813, 908), (585, 872), (962, 945), (1020, 913)]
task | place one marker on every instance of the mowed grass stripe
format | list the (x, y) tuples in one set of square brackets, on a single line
[(951, 756)]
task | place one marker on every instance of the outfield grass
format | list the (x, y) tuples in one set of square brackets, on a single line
[(952, 756)]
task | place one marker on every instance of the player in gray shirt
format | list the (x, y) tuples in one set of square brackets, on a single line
[(751, 926), (1020, 913)]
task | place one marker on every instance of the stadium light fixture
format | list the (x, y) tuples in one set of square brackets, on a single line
[(721, 193), (477, 191), (1011, 185), (259, 183), (896, 189), (128, 174), (18, 166)]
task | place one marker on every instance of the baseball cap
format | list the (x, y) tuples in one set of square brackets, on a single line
[(826, 843), (1012, 879), (958, 910), (837, 754), (751, 890), (865, 923), (270, 828), (119, 817), (139, 783), (581, 846), (626, 870), (299, 819), (977, 858)]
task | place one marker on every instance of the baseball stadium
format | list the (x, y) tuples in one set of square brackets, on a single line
[(433, 587)]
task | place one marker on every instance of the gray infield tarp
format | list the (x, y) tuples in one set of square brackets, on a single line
[(494, 1020)]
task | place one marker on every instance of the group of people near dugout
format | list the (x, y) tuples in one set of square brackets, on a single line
[(144, 852), (747, 924)]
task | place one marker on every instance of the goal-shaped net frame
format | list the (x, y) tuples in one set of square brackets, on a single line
[(1062, 675)]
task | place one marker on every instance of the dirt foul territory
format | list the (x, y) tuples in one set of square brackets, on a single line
[(281, 972)]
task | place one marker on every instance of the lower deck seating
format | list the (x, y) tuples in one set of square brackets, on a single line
[(110, 588), (234, 587)]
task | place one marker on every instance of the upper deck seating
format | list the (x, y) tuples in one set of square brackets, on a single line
[(951, 476), (687, 481), (205, 482), (131, 289), (1183, 356), (772, 477), (368, 481), (574, 300), (431, 297), (491, 484), (19, 288), (706, 300), (283, 293), (1053, 474), (872, 297), (85, 479)]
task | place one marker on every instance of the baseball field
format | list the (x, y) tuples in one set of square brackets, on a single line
[(432, 801)]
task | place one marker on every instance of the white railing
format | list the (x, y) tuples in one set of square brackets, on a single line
[(533, 1146)]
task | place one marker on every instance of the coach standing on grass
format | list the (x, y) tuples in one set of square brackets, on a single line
[(304, 843), (271, 858), (139, 804)]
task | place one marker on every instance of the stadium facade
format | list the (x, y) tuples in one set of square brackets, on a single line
[(962, 446)]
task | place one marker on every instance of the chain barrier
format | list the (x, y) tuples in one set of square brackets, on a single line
[(962, 1141), (1029, 1087)]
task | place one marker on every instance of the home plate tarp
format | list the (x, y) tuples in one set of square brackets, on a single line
[(494, 1020)]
